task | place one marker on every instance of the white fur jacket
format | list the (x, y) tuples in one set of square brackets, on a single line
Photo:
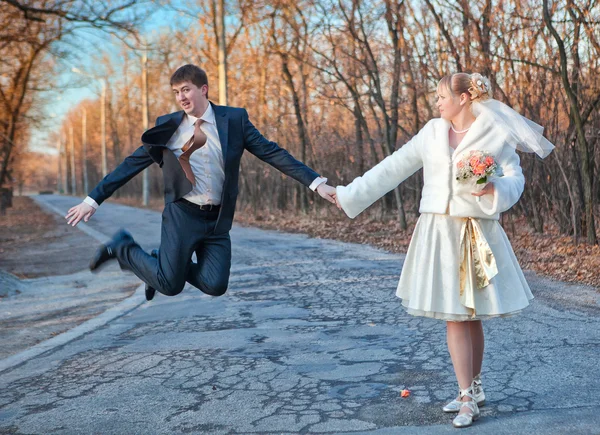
[(442, 193)]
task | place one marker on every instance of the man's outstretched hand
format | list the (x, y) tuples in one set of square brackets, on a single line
[(82, 211)]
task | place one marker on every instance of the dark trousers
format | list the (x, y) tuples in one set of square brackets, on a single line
[(185, 230)]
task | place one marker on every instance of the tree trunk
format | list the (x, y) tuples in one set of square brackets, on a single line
[(222, 44), (582, 145), (299, 123)]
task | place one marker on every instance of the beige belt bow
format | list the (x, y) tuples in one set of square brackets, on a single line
[(477, 262)]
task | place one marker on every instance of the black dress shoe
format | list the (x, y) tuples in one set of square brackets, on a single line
[(151, 291), (107, 251)]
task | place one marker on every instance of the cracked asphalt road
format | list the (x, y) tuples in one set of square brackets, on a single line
[(310, 338)]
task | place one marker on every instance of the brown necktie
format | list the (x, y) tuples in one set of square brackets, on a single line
[(196, 142)]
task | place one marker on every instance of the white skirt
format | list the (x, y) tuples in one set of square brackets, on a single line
[(430, 281)]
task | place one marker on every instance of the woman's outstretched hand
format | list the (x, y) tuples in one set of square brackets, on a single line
[(337, 202)]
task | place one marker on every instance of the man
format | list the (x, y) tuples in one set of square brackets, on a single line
[(199, 150)]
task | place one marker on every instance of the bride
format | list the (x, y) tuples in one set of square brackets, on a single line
[(460, 266)]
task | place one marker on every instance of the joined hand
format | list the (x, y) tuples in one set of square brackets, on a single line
[(329, 193)]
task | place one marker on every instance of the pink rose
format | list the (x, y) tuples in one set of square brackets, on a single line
[(474, 161), (479, 169), (489, 161)]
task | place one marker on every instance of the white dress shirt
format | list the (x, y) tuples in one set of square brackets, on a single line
[(207, 162)]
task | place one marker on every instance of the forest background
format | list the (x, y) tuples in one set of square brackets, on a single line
[(341, 84)]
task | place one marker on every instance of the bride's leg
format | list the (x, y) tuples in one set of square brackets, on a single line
[(458, 335), (477, 340)]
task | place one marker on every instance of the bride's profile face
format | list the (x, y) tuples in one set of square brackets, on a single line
[(447, 103)]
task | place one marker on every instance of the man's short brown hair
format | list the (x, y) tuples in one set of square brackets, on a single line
[(190, 73)]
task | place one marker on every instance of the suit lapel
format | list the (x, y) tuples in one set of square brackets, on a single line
[(222, 120), (159, 135), (177, 117)]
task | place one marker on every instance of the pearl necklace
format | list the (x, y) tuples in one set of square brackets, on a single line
[(457, 131)]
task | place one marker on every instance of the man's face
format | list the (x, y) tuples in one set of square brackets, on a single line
[(190, 97)]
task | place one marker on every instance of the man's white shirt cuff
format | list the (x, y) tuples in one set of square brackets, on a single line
[(90, 201), (318, 181)]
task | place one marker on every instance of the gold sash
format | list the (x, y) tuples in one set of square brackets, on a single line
[(477, 262)]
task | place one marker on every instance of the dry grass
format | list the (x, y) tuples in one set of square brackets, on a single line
[(548, 254)]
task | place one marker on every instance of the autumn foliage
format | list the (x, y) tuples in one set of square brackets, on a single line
[(342, 84)]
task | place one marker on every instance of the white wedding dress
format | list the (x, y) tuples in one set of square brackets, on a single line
[(430, 281)]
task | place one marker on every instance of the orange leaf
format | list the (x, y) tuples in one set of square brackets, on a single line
[(405, 393)]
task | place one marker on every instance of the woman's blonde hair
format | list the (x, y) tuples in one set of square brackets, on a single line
[(476, 85)]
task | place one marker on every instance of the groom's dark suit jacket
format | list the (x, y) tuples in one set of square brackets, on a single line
[(236, 134)]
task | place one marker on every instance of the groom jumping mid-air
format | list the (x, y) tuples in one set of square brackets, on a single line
[(199, 150)]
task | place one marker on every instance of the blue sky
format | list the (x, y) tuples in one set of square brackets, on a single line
[(74, 88)]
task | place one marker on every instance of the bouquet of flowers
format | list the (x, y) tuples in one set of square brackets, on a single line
[(477, 166)]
